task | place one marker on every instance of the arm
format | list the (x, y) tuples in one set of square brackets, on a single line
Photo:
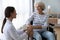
[(13, 33), (30, 19), (20, 31), (34, 27), (37, 27), (45, 22)]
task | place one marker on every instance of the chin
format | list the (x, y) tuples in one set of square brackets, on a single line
[(14, 17)]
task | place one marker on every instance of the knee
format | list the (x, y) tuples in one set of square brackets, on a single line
[(50, 34), (37, 36)]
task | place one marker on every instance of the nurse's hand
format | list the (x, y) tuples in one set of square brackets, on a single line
[(30, 30), (29, 27)]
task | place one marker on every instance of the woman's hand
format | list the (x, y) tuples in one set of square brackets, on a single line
[(30, 30)]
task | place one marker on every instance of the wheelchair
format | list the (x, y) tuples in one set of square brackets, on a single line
[(49, 28)]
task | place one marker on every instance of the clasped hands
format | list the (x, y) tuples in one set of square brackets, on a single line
[(29, 30)]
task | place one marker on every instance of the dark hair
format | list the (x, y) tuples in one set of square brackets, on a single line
[(43, 9), (8, 12)]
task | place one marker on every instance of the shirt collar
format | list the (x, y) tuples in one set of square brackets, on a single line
[(8, 20)]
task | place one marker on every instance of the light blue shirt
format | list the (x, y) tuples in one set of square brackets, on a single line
[(39, 20)]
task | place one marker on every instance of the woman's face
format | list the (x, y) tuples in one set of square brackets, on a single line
[(13, 14), (39, 9)]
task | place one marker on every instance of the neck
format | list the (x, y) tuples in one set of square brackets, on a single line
[(40, 12), (10, 18)]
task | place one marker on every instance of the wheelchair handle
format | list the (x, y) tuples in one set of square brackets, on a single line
[(51, 24)]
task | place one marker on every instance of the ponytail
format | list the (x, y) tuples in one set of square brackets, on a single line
[(8, 12), (4, 21)]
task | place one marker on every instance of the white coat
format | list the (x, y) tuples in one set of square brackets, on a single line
[(10, 33)]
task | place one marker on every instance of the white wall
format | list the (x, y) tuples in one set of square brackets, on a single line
[(55, 4)]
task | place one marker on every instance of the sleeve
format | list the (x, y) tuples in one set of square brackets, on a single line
[(30, 19), (13, 33), (20, 32), (46, 22)]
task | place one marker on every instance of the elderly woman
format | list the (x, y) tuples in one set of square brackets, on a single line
[(40, 24)]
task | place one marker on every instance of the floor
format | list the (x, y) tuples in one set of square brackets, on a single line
[(58, 33)]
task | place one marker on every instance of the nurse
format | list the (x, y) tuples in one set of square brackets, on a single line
[(8, 30)]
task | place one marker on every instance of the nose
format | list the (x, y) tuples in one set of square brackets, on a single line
[(16, 13)]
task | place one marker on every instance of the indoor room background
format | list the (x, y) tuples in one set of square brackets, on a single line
[(25, 8)]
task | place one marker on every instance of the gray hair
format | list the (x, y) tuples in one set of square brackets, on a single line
[(41, 4)]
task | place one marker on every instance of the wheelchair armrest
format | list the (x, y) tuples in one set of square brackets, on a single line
[(50, 27), (51, 24)]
